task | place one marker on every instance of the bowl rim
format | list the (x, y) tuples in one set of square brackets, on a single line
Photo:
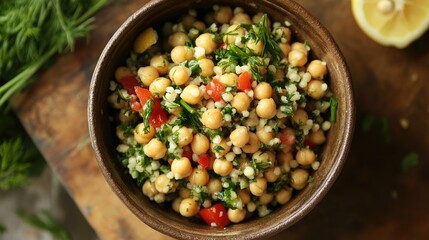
[(315, 198)]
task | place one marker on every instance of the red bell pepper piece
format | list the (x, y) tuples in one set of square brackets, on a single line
[(287, 139), (244, 81), (129, 83), (215, 216), (204, 160), (215, 89)]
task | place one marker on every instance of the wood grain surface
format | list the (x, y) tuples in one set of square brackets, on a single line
[(374, 198)]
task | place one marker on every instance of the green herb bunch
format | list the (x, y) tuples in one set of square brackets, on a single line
[(33, 31)]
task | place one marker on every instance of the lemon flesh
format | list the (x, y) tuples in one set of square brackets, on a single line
[(392, 22)]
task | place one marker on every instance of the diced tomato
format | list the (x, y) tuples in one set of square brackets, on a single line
[(187, 152), (308, 142), (244, 81), (287, 139), (223, 45), (129, 83), (215, 214), (215, 89), (204, 160), (143, 94), (136, 106), (159, 115)]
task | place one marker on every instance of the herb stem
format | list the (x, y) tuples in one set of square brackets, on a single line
[(187, 107), (334, 104)]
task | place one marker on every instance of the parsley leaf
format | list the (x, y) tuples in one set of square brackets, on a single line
[(409, 161), (45, 221)]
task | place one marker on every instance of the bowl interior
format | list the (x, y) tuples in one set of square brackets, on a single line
[(304, 27)]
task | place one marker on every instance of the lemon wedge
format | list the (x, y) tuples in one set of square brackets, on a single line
[(392, 22), (145, 40)]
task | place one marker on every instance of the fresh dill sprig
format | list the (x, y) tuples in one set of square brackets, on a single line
[(33, 31), (14, 169)]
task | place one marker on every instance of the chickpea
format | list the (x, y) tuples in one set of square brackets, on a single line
[(212, 118), (184, 136), (297, 58), (179, 75), (149, 189), (284, 195), (317, 69), (299, 178), (124, 116), (300, 117), (266, 198), (200, 26), (160, 62), (252, 120), (257, 18), (222, 167), (159, 86), (199, 177), (147, 75), (283, 157), (236, 215), (299, 47), (283, 32), (184, 192), (315, 89), (229, 79), (317, 137), (163, 184), (200, 144), (206, 41), (266, 108), (256, 46), (181, 167), (240, 136), (115, 101), (263, 90), (209, 18), (305, 156), (272, 173), (192, 94), (264, 136), (175, 205), (253, 145), (188, 207), (188, 21), (241, 18), (120, 133), (181, 53), (141, 136), (241, 102), (223, 15), (285, 48), (263, 157), (155, 149), (258, 187), (214, 185), (178, 39), (223, 145), (122, 72), (244, 195), (207, 67), (233, 32)]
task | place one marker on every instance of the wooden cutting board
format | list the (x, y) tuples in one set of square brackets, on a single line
[(373, 198)]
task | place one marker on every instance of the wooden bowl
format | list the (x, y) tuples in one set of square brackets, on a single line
[(304, 27)]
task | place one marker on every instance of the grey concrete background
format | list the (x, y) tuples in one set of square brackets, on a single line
[(43, 193)]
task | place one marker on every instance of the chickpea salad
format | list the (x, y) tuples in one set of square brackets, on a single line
[(221, 116)]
